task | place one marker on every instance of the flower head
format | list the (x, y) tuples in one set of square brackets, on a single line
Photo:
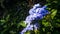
[(36, 13)]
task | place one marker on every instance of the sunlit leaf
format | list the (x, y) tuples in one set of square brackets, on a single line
[(46, 24), (43, 29), (53, 14), (21, 24), (2, 21), (7, 18)]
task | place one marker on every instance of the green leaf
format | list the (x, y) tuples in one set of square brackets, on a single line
[(7, 18), (21, 24), (2, 21), (53, 13), (43, 29), (28, 32), (46, 24)]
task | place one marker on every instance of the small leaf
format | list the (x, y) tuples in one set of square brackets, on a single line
[(53, 13), (21, 24), (28, 32), (46, 24), (2, 20), (43, 29), (7, 18), (36, 31)]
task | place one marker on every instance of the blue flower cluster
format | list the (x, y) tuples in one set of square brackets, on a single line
[(37, 12)]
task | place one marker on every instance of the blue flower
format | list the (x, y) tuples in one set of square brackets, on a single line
[(36, 13), (33, 10), (41, 10), (36, 6), (30, 18), (36, 26), (44, 7), (28, 28)]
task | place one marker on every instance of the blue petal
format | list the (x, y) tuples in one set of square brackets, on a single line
[(44, 7), (36, 26), (36, 6), (31, 11)]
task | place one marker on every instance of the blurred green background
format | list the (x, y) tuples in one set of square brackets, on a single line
[(14, 12)]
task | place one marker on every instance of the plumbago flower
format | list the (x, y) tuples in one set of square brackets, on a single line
[(37, 12)]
